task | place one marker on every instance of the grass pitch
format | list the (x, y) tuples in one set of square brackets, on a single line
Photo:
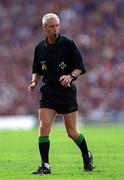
[(19, 154)]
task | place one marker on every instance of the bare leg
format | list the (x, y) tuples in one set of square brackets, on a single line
[(70, 121), (46, 119)]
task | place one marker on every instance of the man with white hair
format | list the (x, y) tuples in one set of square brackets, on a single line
[(59, 61)]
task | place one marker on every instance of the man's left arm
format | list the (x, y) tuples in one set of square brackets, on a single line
[(78, 65), (78, 61), (65, 80)]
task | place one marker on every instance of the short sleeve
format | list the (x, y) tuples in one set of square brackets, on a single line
[(77, 58), (36, 64)]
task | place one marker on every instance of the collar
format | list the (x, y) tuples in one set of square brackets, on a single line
[(57, 40)]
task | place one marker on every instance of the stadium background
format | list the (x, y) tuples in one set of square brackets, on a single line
[(96, 26)]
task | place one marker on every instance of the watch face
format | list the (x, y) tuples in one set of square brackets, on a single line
[(73, 75)]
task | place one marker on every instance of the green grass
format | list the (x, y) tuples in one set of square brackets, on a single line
[(19, 154)]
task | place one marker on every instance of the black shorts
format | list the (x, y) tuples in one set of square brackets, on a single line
[(61, 99)]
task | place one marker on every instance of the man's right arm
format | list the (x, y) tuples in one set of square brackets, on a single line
[(34, 81), (36, 71)]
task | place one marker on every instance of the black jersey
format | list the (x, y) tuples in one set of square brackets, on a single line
[(55, 60)]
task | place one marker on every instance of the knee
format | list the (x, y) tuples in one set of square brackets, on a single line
[(73, 135), (44, 125), (44, 128)]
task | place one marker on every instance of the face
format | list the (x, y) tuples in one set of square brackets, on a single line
[(52, 28)]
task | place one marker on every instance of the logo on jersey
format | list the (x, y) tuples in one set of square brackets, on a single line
[(43, 65), (62, 65)]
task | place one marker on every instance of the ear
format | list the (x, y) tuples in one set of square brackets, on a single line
[(44, 28)]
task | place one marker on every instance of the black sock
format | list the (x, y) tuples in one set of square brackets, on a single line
[(44, 146), (81, 143)]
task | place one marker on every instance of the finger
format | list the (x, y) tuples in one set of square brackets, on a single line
[(67, 85), (30, 89), (64, 82), (62, 78)]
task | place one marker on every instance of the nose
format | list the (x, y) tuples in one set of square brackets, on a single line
[(55, 28)]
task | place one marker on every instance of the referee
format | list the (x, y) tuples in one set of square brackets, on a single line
[(59, 62)]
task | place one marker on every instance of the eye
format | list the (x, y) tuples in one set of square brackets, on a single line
[(52, 26)]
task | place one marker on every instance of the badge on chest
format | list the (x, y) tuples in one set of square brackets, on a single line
[(62, 65), (43, 65)]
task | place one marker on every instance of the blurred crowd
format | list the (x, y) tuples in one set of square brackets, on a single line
[(96, 26)]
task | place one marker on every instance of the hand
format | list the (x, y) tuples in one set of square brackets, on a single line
[(65, 80), (32, 86)]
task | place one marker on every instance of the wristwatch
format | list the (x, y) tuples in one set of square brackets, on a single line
[(74, 76)]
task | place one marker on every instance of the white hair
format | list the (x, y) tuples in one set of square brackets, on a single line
[(48, 16)]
